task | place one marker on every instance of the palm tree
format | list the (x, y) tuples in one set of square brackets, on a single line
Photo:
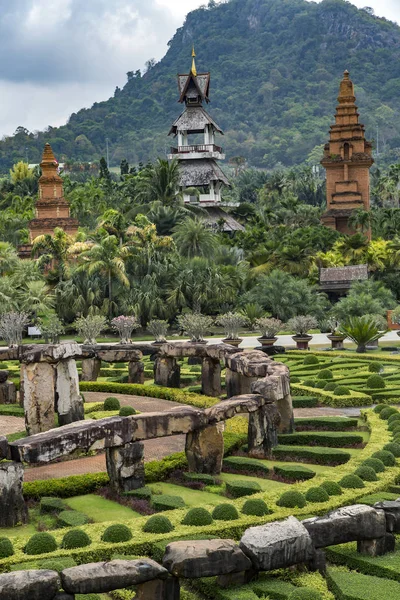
[(36, 298), (354, 248), (361, 220), (362, 330), (8, 258), (54, 249), (193, 238), (114, 223), (159, 182)]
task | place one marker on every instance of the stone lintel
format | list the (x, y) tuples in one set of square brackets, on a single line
[(236, 405), (189, 349), (49, 353)]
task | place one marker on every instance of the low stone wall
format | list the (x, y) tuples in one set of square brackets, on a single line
[(277, 545)]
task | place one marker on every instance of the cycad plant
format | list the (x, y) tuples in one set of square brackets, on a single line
[(362, 331)]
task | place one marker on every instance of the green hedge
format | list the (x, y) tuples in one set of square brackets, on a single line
[(304, 401), (332, 439), (11, 410), (167, 502), (328, 423), (317, 455), (294, 473), (238, 489), (329, 398), (347, 555), (355, 586), (242, 463)]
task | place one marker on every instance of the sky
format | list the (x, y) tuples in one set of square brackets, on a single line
[(58, 57)]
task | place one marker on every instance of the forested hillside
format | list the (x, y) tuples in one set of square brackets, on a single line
[(275, 68)]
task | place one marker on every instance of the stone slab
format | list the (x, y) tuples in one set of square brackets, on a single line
[(190, 349), (392, 514), (50, 353), (29, 585), (227, 409)]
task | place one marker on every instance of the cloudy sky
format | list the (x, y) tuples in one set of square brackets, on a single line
[(58, 57)]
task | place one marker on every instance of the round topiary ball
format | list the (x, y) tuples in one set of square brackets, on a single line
[(387, 411), (332, 488), (366, 473), (111, 403), (305, 594), (225, 512), (352, 482), (330, 386), (317, 494), (294, 379), (394, 417), (6, 547), (292, 499), (311, 359), (158, 524), (379, 407), (41, 543), (75, 538), (325, 374), (376, 464), (394, 448), (386, 457), (342, 390), (320, 384), (256, 507), (376, 382), (126, 411), (197, 517), (117, 533), (309, 383), (375, 367), (396, 428)]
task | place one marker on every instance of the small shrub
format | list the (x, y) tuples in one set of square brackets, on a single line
[(200, 477), (243, 463), (394, 417), (352, 482), (311, 359), (332, 488), (49, 505), (143, 493), (342, 390), (325, 374), (71, 518), (379, 407), (197, 517), (386, 457), (387, 411), (376, 382), (117, 533), (167, 502), (394, 448), (292, 499), (256, 507), (126, 411), (111, 403), (75, 538), (366, 473), (295, 473), (309, 383), (320, 384), (6, 547), (237, 489), (317, 494), (57, 564), (294, 379), (158, 524), (330, 386), (225, 512), (375, 367), (375, 463), (41, 543), (305, 594)]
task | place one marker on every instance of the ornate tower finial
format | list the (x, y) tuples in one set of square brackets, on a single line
[(193, 70)]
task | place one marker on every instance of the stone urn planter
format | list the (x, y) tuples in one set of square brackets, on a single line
[(302, 341), (267, 342), (336, 341), (235, 343)]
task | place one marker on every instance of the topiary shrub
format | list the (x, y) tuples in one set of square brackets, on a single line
[(309, 383), (332, 488), (386, 457), (167, 502), (143, 493), (375, 463), (49, 505), (394, 425), (375, 367), (237, 489), (200, 477), (376, 382), (6, 547), (197, 517), (394, 417), (330, 386), (317, 494), (126, 411), (71, 518), (111, 403), (305, 594), (256, 507), (342, 390), (366, 473), (394, 448), (158, 524), (57, 564), (41, 543), (379, 407), (352, 482), (320, 384), (225, 512), (294, 472), (387, 411), (75, 538), (117, 533), (294, 379), (311, 359), (292, 499), (325, 374)]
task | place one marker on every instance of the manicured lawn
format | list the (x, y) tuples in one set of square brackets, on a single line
[(265, 484), (99, 509), (24, 531), (191, 497)]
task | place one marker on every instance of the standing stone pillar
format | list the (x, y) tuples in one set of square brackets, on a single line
[(8, 392), (285, 408), (38, 380), (159, 589), (12, 505), (211, 377), (125, 466), (69, 402), (136, 372), (205, 449), (263, 431), (90, 369), (167, 372), (237, 384)]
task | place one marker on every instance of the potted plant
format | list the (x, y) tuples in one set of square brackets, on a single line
[(195, 325), (51, 329), (382, 326), (124, 326), (12, 325), (268, 327), (90, 327), (335, 336), (362, 331), (232, 322), (158, 328), (301, 325)]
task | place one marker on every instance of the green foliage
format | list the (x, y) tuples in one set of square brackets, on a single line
[(305, 594), (386, 457), (366, 473), (6, 547), (126, 411), (386, 412), (355, 586), (49, 504), (237, 489), (325, 423), (292, 499), (304, 401), (166, 502), (117, 533), (200, 477), (197, 516), (325, 374), (225, 512), (255, 506), (376, 382), (65, 487), (361, 330), (394, 448), (352, 482), (71, 518), (41, 543), (294, 473), (311, 360), (330, 386), (374, 463), (332, 488), (158, 524), (375, 367), (394, 417), (112, 403), (143, 493), (379, 407), (318, 455), (317, 494), (57, 564), (75, 538), (320, 384), (332, 439), (341, 390), (242, 463), (309, 383)]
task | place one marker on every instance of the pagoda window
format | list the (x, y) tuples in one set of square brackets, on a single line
[(347, 151)]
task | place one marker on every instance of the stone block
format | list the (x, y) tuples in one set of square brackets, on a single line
[(125, 467), (102, 577), (204, 558), (8, 393), (392, 514), (234, 580), (90, 369), (3, 447), (69, 402), (263, 431), (136, 372), (237, 384), (167, 589), (347, 524), (12, 504), (211, 377), (277, 545), (39, 396), (29, 585), (378, 546), (250, 364), (285, 408), (246, 403), (167, 372), (49, 353), (205, 449), (118, 353), (318, 561)]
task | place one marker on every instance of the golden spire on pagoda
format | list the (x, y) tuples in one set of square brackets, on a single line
[(346, 91), (193, 70)]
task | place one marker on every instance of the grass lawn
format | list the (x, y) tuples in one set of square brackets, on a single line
[(280, 463), (24, 531), (99, 509), (265, 484), (191, 497)]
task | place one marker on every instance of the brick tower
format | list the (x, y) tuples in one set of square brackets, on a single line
[(347, 160)]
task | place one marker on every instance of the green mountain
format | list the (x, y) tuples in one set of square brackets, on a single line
[(275, 69)]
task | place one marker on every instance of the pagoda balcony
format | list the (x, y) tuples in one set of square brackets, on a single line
[(209, 149)]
